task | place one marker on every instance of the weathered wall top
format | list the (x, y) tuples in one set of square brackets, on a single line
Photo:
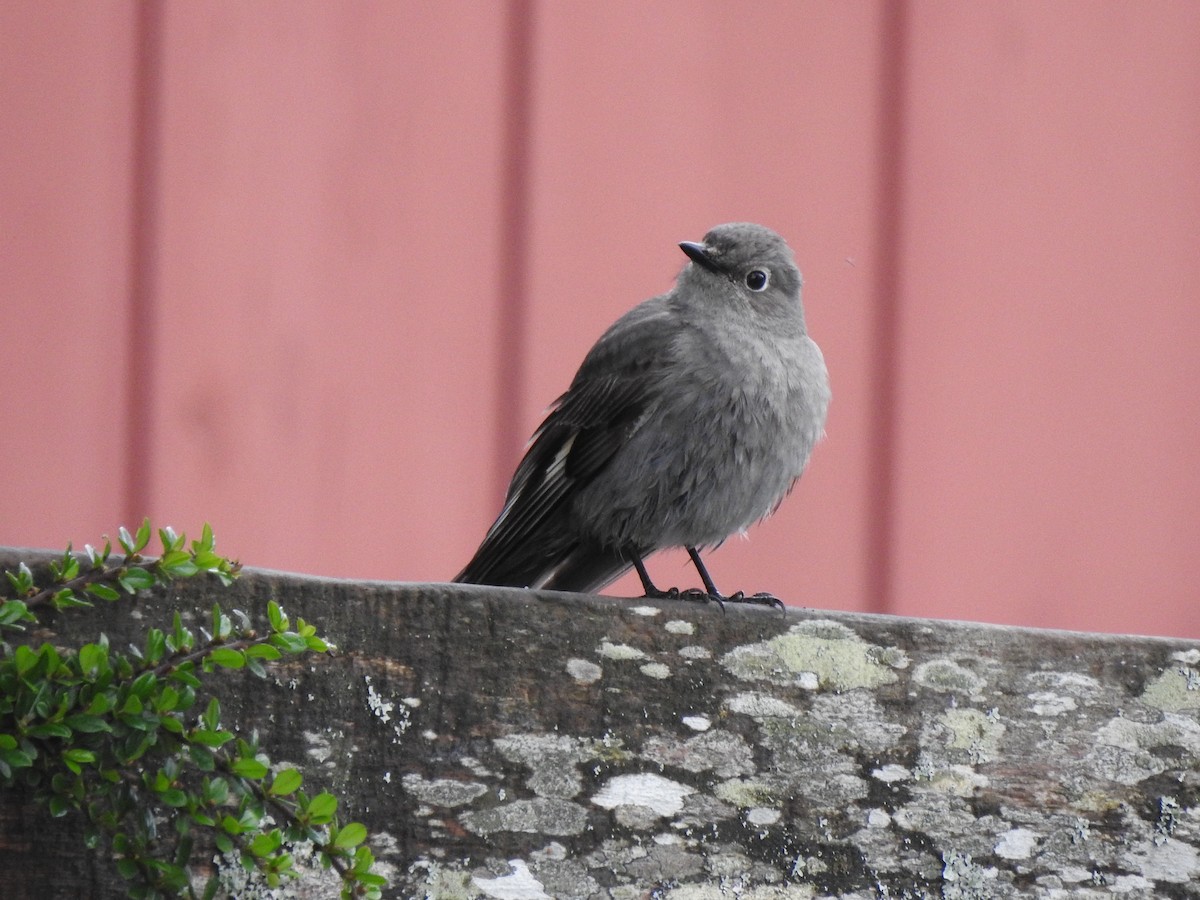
[(513, 744)]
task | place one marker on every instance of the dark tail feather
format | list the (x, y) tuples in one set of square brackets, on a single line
[(505, 562), (587, 568), (557, 566)]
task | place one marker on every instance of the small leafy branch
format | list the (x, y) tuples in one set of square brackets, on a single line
[(116, 736)]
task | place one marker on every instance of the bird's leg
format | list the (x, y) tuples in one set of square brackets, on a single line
[(763, 599), (652, 593)]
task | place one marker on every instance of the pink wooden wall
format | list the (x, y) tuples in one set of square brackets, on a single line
[(312, 272)]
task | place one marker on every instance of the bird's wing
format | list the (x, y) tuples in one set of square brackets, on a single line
[(586, 427)]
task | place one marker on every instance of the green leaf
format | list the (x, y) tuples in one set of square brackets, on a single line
[(212, 714), (68, 568), (125, 539), (24, 658), (202, 758), (166, 700), (228, 658), (68, 599), (7, 742), (80, 756), (206, 542), (14, 611), (209, 738), (262, 651), (18, 759), (207, 561), (279, 621), (177, 564), (322, 807), (49, 730), (231, 825), (156, 646), (49, 659), (266, 844), (143, 536), (184, 675), (21, 580), (136, 579), (92, 658), (143, 685), (221, 626), (289, 642), (286, 782), (249, 767), (174, 797), (103, 592), (351, 835), (88, 724), (170, 540)]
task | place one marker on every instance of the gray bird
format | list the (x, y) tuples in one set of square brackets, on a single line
[(689, 420)]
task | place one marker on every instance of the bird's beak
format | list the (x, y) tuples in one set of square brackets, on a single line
[(700, 254)]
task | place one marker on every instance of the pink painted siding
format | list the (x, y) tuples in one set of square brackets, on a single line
[(359, 248)]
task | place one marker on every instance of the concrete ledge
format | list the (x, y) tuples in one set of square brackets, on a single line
[(516, 744)]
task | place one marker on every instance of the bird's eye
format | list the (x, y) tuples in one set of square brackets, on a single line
[(757, 280)]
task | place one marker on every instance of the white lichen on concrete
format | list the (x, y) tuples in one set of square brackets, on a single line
[(722, 752), (947, 676), (973, 731), (1170, 860), (519, 885), (821, 650), (680, 626), (760, 706), (891, 773), (583, 671), (1017, 843), (536, 816), (609, 650), (444, 792), (697, 723), (655, 670), (553, 761), (662, 795), (1048, 703), (1176, 689), (1125, 749), (386, 711)]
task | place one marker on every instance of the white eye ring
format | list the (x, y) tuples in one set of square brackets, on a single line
[(758, 279)]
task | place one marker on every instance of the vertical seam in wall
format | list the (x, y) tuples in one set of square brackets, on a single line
[(512, 326), (885, 339), (140, 373)]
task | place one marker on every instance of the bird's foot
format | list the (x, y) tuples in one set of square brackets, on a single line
[(653, 593), (762, 598)]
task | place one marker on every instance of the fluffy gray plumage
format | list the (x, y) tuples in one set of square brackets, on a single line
[(689, 420)]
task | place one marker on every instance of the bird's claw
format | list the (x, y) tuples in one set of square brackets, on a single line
[(762, 598), (658, 594), (699, 595)]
